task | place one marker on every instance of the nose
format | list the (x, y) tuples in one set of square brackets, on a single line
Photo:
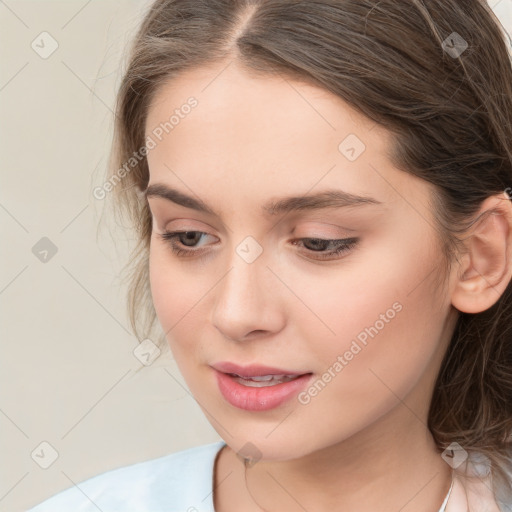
[(247, 301)]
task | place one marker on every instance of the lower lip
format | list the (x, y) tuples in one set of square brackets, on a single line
[(259, 399)]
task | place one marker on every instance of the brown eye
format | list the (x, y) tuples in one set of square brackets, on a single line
[(189, 238), (316, 244), (326, 248), (180, 239)]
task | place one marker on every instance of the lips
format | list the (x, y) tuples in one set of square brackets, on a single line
[(257, 387)]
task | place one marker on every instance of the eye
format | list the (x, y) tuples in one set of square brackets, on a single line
[(184, 243), (319, 246), (185, 239)]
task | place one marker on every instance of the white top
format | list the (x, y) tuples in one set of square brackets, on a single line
[(179, 482)]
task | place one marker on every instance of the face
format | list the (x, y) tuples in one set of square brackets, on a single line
[(324, 306)]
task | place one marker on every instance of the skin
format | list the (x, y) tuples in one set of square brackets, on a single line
[(362, 443)]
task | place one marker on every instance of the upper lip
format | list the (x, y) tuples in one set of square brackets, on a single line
[(253, 370)]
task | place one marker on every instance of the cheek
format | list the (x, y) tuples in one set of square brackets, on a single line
[(384, 300), (388, 325), (171, 295), (180, 300), (164, 288)]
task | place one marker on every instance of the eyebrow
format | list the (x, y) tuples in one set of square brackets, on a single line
[(327, 199)]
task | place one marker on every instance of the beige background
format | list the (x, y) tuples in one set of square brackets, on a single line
[(67, 367)]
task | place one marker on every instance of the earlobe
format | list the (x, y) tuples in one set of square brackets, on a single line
[(486, 268)]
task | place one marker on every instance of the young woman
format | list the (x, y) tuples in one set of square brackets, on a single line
[(321, 190)]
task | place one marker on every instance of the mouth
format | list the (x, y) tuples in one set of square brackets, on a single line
[(262, 380), (257, 387)]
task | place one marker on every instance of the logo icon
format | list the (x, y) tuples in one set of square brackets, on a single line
[(454, 455), (249, 249), (44, 455), (44, 45), (454, 45), (351, 147), (146, 352), (249, 454), (44, 250)]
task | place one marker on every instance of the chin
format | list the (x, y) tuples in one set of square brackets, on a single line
[(257, 445)]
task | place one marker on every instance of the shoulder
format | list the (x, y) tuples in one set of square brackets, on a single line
[(474, 490), (181, 481)]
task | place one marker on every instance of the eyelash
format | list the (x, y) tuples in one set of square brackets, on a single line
[(343, 245)]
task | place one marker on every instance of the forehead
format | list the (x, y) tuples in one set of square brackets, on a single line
[(226, 91), (268, 134)]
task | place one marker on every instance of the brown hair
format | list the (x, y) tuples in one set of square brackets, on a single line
[(451, 117)]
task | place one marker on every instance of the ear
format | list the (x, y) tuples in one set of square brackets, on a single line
[(485, 269)]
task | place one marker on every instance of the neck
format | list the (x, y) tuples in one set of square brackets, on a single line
[(381, 468)]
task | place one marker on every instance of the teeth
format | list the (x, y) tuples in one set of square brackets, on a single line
[(263, 380)]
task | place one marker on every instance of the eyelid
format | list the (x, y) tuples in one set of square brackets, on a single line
[(181, 224), (319, 229)]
